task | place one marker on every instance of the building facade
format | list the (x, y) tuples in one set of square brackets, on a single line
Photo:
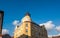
[(29, 29), (56, 36), (1, 22)]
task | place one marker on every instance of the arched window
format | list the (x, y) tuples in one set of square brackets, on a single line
[(26, 30), (26, 25)]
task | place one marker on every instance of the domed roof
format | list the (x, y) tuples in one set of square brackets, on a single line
[(27, 13), (26, 18)]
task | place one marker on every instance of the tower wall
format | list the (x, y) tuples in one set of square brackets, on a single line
[(23, 30)]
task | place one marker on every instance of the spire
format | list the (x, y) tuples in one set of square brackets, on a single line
[(27, 13), (26, 17)]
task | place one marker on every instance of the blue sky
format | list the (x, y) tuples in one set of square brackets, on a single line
[(41, 11)]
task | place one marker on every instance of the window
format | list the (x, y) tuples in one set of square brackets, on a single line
[(26, 30), (26, 25), (36, 37)]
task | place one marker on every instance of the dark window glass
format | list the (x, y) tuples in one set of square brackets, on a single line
[(36, 37), (26, 25), (26, 30), (39, 33)]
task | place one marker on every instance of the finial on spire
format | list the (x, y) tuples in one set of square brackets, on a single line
[(27, 13)]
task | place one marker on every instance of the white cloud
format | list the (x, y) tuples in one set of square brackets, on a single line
[(48, 25), (58, 28), (15, 22), (59, 34), (54, 35), (50, 35), (4, 31)]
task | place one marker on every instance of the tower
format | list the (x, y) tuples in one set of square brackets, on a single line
[(23, 29), (26, 17)]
